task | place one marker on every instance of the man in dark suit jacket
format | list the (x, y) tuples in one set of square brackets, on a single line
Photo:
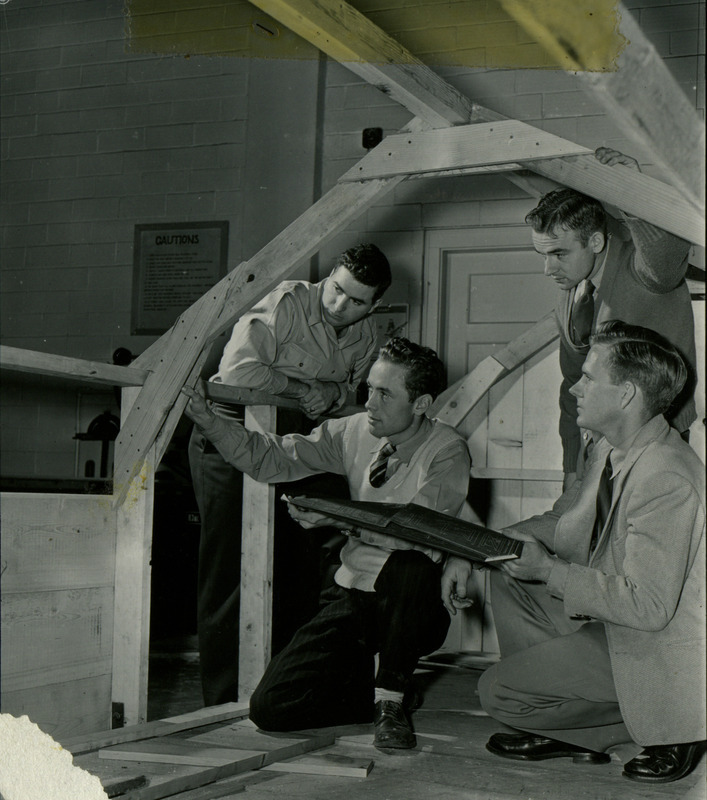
[(601, 620), (610, 269)]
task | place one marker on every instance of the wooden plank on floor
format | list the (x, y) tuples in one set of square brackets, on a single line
[(325, 764), (245, 736), (164, 727), (173, 751)]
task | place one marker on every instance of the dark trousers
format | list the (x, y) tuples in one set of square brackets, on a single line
[(219, 492), (325, 676)]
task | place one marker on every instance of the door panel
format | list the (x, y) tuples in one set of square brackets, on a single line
[(489, 290)]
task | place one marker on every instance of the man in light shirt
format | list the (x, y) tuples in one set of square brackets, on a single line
[(312, 342)]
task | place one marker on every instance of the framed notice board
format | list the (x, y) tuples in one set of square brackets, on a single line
[(173, 266)]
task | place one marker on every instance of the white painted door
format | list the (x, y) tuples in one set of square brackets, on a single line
[(485, 287)]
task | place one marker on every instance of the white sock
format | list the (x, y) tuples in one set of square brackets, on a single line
[(387, 694)]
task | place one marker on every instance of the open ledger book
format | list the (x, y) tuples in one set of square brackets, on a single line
[(420, 525)]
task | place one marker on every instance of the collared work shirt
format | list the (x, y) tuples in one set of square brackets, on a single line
[(284, 336)]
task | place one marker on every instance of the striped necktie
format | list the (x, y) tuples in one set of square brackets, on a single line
[(583, 316), (376, 476), (603, 502)]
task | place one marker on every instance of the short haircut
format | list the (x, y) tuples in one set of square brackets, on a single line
[(424, 372), (647, 359), (568, 210), (368, 265)]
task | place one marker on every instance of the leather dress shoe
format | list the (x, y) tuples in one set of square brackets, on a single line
[(663, 763), (392, 727), (531, 747)]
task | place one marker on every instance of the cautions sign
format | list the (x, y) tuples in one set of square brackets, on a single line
[(173, 266)]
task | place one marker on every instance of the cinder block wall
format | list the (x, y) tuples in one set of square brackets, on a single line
[(96, 139)]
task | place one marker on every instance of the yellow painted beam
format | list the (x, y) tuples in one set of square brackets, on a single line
[(637, 89)]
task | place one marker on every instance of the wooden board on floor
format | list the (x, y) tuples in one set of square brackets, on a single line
[(325, 764), (172, 751)]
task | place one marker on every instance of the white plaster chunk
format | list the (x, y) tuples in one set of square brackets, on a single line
[(35, 767)]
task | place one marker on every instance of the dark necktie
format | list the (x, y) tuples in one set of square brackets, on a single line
[(582, 316), (603, 503), (376, 476)]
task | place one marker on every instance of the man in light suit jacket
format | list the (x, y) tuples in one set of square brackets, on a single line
[(607, 268), (602, 626)]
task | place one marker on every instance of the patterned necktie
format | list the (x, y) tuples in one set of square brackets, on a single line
[(603, 502), (582, 316), (376, 476)]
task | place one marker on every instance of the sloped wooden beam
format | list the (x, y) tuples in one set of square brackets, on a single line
[(20, 360), (636, 87), (476, 145), (468, 391), (172, 360), (631, 191)]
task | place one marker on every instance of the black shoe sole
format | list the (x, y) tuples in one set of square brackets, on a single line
[(577, 758), (693, 757)]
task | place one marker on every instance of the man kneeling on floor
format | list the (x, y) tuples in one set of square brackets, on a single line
[(601, 622), (387, 594)]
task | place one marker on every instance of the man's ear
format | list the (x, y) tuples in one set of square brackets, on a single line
[(630, 390), (596, 242), (421, 404)]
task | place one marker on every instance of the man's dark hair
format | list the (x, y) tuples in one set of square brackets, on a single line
[(647, 359), (568, 210), (424, 372), (368, 265)]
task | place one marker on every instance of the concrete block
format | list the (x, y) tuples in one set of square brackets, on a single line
[(95, 208), (92, 255), (30, 102), (70, 188), (685, 43), (208, 180), (100, 163), (103, 74), (395, 218), (215, 132), (188, 206), (61, 122), (120, 140), (49, 255), (685, 68), (149, 208), (167, 181), (670, 18), (569, 104), (164, 136), (61, 233), (47, 212)]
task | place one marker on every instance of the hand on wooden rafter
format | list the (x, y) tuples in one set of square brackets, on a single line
[(321, 396), (197, 409), (612, 157)]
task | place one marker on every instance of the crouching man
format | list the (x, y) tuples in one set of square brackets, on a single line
[(387, 594), (601, 622)]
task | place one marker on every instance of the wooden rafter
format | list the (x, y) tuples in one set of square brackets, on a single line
[(32, 361), (482, 144), (639, 91)]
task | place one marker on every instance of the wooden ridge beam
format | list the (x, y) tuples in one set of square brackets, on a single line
[(637, 88), (79, 369), (475, 145), (175, 355)]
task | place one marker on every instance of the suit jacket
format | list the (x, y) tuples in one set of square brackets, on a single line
[(642, 283), (645, 579)]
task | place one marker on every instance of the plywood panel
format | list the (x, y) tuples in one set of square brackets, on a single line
[(71, 708), (56, 541), (48, 637)]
